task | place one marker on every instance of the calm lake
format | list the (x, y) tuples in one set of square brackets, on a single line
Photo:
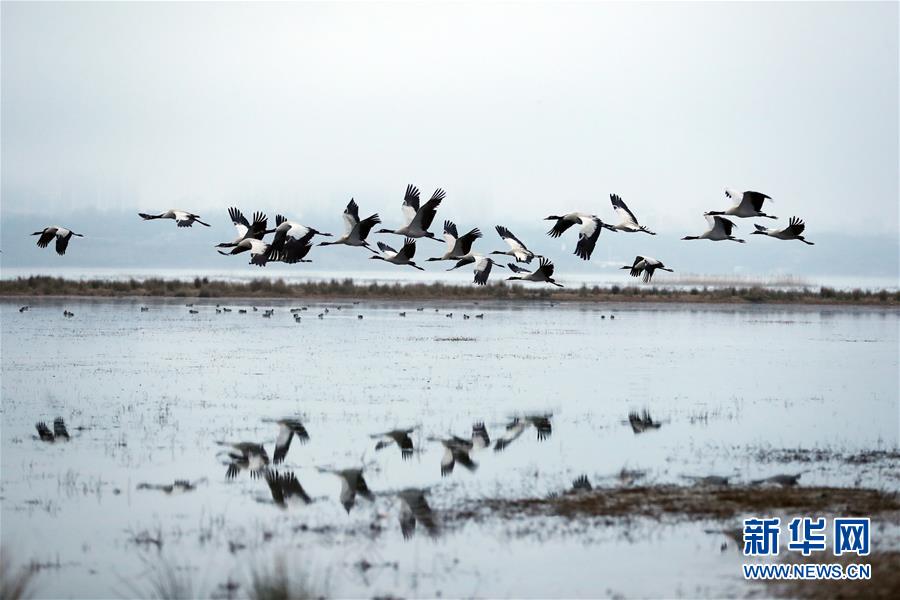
[(146, 396)]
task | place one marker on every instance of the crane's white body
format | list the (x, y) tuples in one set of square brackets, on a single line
[(61, 234), (720, 229), (628, 222), (458, 246), (355, 230), (591, 226), (417, 219), (543, 274), (403, 256), (292, 231), (646, 266), (483, 265), (517, 248), (244, 228), (746, 204), (260, 252), (794, 231), (182, 218)]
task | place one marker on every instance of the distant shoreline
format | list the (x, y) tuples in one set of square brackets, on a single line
[(347, 289)]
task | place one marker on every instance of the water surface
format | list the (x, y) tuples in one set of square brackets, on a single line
[(153, 391)]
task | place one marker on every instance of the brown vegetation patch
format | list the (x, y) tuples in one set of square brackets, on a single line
[(694, 502), (335, 289)]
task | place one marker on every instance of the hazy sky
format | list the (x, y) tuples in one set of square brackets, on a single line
[(517, 110)]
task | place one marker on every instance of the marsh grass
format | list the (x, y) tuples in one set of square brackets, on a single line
[(162, 580), (15, 584), (691, 502), (348, 289), (278, 583)]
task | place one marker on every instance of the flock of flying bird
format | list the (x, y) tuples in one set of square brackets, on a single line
[(286, 490), (292, 241)]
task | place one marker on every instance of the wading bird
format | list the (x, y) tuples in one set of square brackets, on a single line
[(182, 218), (396, 436), (582, 484), (642, 422), (543, 274), (460, 450), (355, 231), (628, 222), (708, 480), (794, 231), (457, 246), (783, 480), (286, 490), (59, 431), (720, 229), (646, 265), (591, 226), (482, 264), (517, 426), (288, 428), (290, 230), (456, 450), (293, 251), (403, 257), (746, 204), (414, 508), (61, 234), (260, 252), (179, 486), (517, 248), (246, 455), (352, 484), (418, 219), (245, 229)]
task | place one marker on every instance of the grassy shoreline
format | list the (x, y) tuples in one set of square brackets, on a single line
[(41, 286)]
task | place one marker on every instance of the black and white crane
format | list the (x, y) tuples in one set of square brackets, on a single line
[(627, 221), (517, 426), (794, 231), (591, 226), (414, 509), (288, 429), (456, 450), (182, 218), (746, 204), (720, 229), (642, 422), (291, 230), (460, 450), (352, 484), (517, 248), (248, 456), (260, 252), (483, 265), (645, 265), (59, 432), (245, 229), (458, 246), (286, 489), (418, 218), (543, 274), (402, 257), (400, 437), (293, 251), (61, 234), (355, 230)]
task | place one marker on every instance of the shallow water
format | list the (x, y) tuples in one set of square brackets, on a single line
[(733, 387)]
